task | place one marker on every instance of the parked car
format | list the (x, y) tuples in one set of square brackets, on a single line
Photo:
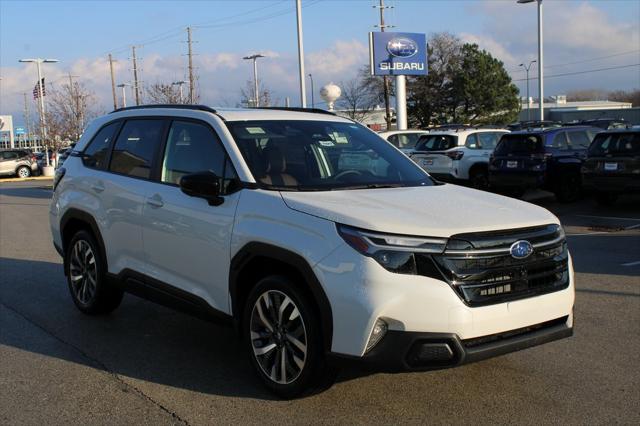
[(404, 140), (459, 156), (313, 236), (549, 159), (63, 154), (602, 123), (18, 162), (533, 124), (612, 167)]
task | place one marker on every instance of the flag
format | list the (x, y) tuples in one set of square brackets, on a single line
[(36, 89)]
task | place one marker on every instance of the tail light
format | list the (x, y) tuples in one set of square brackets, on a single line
[(455, 155), (34, 159)]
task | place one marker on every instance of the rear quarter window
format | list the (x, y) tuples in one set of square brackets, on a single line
[(615, 144)]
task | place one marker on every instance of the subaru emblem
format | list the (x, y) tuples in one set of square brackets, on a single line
[(521, 249), (402, 47)]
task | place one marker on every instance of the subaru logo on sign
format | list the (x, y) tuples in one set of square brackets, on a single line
[(402, 47), (521, 249)]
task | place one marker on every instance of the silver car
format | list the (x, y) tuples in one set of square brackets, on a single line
[(17, 162)]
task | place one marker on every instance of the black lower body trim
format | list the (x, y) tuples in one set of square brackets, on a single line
[(167, 295), (401, 351)]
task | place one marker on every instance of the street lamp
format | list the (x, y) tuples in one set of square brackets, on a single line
[(255, 77), (540, 55), (179, 84), (313, 102), (43, 120), (527, 68), (124, 93)]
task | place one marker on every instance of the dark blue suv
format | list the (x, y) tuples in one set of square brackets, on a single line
[(541, 158)]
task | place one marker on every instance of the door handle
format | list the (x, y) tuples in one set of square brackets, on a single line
[(97, 187), (155, 201)]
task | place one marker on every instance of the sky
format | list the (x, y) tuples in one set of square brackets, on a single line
[(580, 36)]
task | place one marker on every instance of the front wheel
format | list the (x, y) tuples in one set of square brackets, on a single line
[(480, 180), (282, 335)]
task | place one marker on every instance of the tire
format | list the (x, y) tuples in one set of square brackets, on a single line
[(569, 188), (86, 275), (23, 172), (480, 179), (606, 198), (295, 335)]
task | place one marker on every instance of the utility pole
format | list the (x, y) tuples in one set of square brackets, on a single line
[(135, 75), (313, 102), (303, 90), (192, 89), (73, 90), (27, 119), (385, 79), (179, 84), (113, 83), (256, 90)]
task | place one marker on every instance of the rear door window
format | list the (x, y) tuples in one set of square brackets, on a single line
[(10, 155), (488, 140), (579, 139), (137, 147), (559, 141), (472, 142)]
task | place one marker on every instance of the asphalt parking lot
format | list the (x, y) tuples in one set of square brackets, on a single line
[(145, 364)]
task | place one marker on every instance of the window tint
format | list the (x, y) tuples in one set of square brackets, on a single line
[(191, 148), (519, 144), (393, 140), (559, 141), (135, 148), (579, 139), (615, 144), (9, 155), (96, 154), (436, 142), (472, 142)]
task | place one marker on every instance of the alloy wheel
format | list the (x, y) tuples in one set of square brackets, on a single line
[(83, 272), (23, 172), (278, 337)]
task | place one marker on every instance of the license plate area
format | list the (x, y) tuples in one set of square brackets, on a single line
[(427, 162), (512, 164), (610, 167)]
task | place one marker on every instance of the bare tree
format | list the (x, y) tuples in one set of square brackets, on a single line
[(247, 97), (162, 93), (69, 108), (358, 98)]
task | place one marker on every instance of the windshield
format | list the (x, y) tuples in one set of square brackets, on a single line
[(322, 155), (436, 142), (519, 144), (615, 144)]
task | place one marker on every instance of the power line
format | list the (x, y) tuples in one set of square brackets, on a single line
[(584, 60), (582, 72)]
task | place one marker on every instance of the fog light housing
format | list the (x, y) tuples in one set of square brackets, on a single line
[(377, 333)]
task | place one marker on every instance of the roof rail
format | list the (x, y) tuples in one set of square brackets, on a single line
[(177, 106), (297, 109)]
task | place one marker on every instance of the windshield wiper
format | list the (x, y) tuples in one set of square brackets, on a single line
[(370, 186)]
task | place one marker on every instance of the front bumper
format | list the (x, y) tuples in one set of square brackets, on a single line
[(402, 351)]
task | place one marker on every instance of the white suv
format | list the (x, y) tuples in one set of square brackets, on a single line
[(317, 239), (460, 155)]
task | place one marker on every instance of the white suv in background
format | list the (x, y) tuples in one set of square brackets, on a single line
[(460, 155), (404, 140), (319, 241)]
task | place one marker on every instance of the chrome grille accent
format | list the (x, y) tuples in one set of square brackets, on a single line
[(485, 272)]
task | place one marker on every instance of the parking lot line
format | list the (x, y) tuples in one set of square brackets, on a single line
[(637, 262), (608, 217)]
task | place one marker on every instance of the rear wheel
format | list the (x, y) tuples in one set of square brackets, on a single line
[(86, 275), (282, 335), (480, 179), (569, 188), (23, 172), (606, 198)]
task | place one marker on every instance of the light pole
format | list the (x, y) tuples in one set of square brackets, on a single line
[(43, 120), (124, 93), (527, 68), (540, 57), (313, 102), (179, 84), (303, 89), (256, 93)]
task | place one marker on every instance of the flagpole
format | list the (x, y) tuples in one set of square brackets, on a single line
[(42, 114)]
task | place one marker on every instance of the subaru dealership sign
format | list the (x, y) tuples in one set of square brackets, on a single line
[(398, 53)]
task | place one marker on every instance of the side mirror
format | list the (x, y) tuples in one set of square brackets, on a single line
[(202, 185)]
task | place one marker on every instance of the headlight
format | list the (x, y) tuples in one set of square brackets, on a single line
[(396, 253)]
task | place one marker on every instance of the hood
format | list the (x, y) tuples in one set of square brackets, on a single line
[(436, 211)]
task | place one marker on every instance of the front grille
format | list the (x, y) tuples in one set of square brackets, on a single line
[(483, 272), (483, 340)]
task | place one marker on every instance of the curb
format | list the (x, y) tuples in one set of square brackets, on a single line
[(26, 179)]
